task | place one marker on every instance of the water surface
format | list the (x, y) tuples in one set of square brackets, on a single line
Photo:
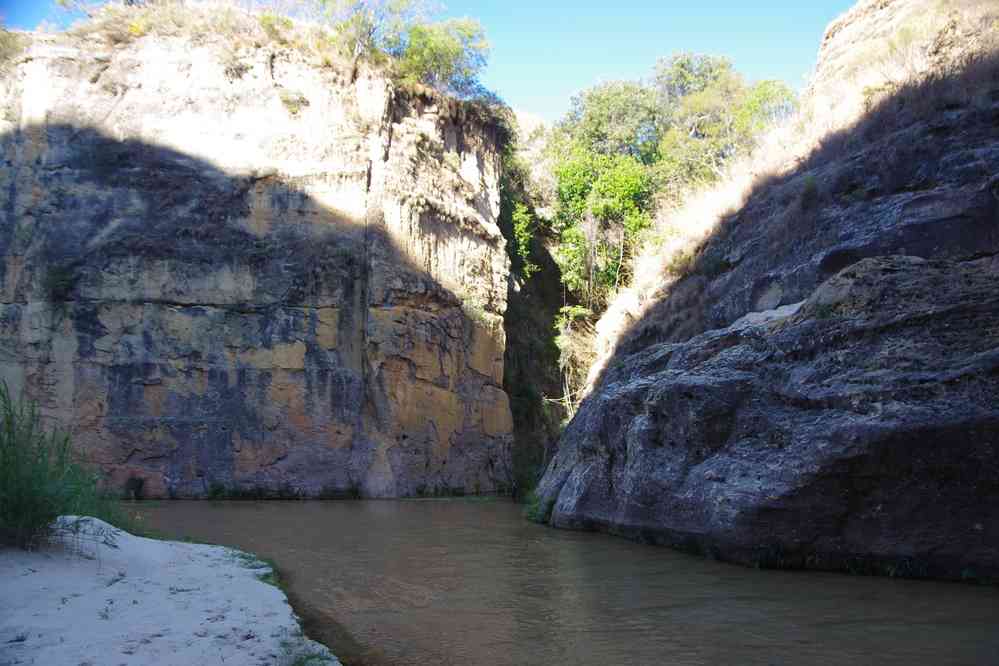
[(471, 582)]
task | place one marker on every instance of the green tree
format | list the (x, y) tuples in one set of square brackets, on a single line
[(618, 117), (448, 55), (371, 28), (624, 146), (603, 205), (765, 104), (523, 233), (575, 172), (717, 118), (684, 74), (573, 258), (621, 189)]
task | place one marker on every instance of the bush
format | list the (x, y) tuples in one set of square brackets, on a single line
[(276, 26), (536, 510), (294, 102), (40, 480), (810, 196), (523, 233)]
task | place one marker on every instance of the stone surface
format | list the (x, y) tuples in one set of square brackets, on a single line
[(277, 278), (860, 433), (819, 389)]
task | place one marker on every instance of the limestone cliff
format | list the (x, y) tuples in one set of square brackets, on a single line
[(820, 389), (228, 268)]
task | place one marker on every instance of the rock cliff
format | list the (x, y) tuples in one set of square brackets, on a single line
[(820, 388), (228, 269)]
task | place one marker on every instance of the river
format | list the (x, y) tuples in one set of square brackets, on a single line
[(470, 582)]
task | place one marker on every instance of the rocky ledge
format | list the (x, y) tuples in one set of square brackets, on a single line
[(856, 431)]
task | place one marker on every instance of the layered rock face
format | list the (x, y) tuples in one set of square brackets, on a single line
[(821, 390), (252, 274), (860, 432)]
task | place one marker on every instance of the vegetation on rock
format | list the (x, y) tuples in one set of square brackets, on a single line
[(531, 372), (446, 55), (857, 215), (627, 149), (11, 46)]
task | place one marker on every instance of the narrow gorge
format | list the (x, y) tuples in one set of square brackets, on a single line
[(481, 318)]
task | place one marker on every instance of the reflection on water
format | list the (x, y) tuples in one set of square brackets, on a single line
[(470, 582)]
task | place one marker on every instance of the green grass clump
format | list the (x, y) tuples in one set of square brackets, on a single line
[(536, 509), (40, 478), (294, 102)]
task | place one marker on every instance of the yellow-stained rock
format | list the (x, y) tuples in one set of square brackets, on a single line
[(214, 294)]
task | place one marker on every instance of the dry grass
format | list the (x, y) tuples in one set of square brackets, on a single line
[(235, 25), (12, 45), (295, 26)]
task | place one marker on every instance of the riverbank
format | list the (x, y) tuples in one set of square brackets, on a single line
[(459, 581), (99, 595)]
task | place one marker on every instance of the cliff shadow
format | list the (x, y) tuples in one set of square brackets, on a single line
[(203, 333)]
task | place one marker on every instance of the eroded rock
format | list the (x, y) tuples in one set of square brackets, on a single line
[(285, 281), (859, 433)]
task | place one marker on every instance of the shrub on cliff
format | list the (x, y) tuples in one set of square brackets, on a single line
[(447, 56), (39, 478), (400, 35)]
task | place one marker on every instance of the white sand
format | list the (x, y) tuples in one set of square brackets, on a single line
[(102, 596)]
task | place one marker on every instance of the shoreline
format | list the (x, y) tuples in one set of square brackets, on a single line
[(96, 594)]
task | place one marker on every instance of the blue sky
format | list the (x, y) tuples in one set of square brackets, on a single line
[(545, 52)]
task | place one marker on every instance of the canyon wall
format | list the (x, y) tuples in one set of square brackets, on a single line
[(230, 270), (821, 388)]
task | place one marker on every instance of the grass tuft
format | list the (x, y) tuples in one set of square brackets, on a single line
[(40, 479), (294, 102), (538, 510), (58, 283)]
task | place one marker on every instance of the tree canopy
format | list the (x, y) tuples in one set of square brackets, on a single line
[(615, 117), (625, 147), (447, 55)]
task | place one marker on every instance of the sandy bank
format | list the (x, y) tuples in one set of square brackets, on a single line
[(98, 595)]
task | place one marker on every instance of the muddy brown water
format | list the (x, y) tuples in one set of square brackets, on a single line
[(470, 582)]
